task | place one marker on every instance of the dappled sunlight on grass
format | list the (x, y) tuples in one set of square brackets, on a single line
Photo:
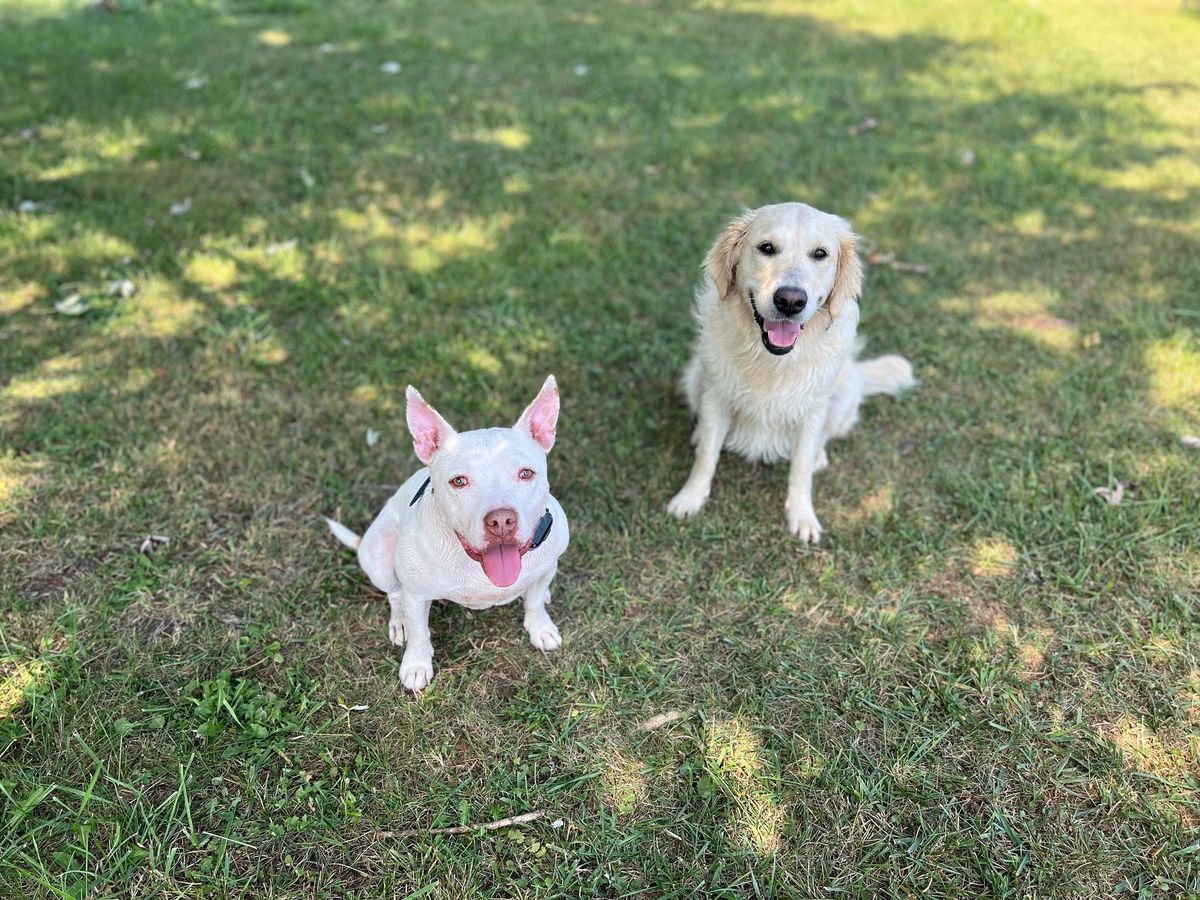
[(1174, 367), (510, 137), (274, 37), (874, 506), (623, 785), (732, 754), (67, 248), (919, 704), (1149, 751), (424, 246), (1028, 314), (16, 298), (16, 678), (156, 311), (284, 261), (993, 557), (18, 475), (212, 271), (55, 377)]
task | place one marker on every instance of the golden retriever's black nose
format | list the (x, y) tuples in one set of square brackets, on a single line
[(790, 300)]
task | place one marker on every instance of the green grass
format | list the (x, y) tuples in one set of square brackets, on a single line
[(984, 683)]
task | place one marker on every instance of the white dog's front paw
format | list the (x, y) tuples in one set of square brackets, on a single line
[(686, 503), (822, 462), (416, 670), (544, 635), (396, 632), (807, 528)]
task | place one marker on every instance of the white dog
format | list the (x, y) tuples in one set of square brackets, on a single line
[(477, 526), (774, 374)]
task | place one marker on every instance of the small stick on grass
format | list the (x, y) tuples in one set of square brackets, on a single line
[(466, 829), (889, 260)]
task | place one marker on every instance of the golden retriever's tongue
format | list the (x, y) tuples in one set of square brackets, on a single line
[(782, 332), (502, 564)]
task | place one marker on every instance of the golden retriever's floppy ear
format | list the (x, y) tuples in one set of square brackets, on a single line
[(721, 262), (847, 283)]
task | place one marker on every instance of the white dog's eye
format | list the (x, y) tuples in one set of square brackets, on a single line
[(458, 481), (766, 248), (820, 253), (525, 474)]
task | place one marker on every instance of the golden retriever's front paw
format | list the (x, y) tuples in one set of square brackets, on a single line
[(416, 671), (686, 503), (807, 528)]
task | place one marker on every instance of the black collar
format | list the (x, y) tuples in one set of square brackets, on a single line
[(540, 532), (419, 494)]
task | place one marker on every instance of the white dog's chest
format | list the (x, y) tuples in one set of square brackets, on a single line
[(465, 584)]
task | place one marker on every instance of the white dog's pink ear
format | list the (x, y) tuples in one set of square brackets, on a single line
[(721, 262), (540, 418), (847, 283), (429, 430)]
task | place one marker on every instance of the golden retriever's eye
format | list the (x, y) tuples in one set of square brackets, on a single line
[(766, 248), (458, 481), (525, 474), (819, 253)]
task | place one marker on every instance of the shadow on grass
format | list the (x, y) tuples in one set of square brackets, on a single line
[(929, 701)]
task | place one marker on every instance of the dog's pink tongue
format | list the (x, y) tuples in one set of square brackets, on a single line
[(502, 564), (782, 332)]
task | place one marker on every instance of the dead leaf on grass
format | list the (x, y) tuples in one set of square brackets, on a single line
[(660, 720), (1112, 496), (153, 541), (72, 305), (182, 207), (123, 288), (868, 124)]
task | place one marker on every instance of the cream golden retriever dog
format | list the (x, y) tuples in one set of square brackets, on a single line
[(774, 374)]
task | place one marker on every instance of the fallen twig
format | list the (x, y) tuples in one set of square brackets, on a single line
[(867, 124), (154, 541), (889, 260), (466, 829), (660, 720)]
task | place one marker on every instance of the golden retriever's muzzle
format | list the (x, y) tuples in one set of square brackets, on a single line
[(779, 335)]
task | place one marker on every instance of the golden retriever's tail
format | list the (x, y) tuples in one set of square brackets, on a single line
[(885, 375)]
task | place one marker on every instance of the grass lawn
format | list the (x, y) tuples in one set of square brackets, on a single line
[(984, 683)]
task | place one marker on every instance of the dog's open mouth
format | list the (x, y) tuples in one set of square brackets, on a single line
[(778, 335), (501, 562)]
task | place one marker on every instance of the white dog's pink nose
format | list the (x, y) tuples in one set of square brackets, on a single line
[(500, 523)]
